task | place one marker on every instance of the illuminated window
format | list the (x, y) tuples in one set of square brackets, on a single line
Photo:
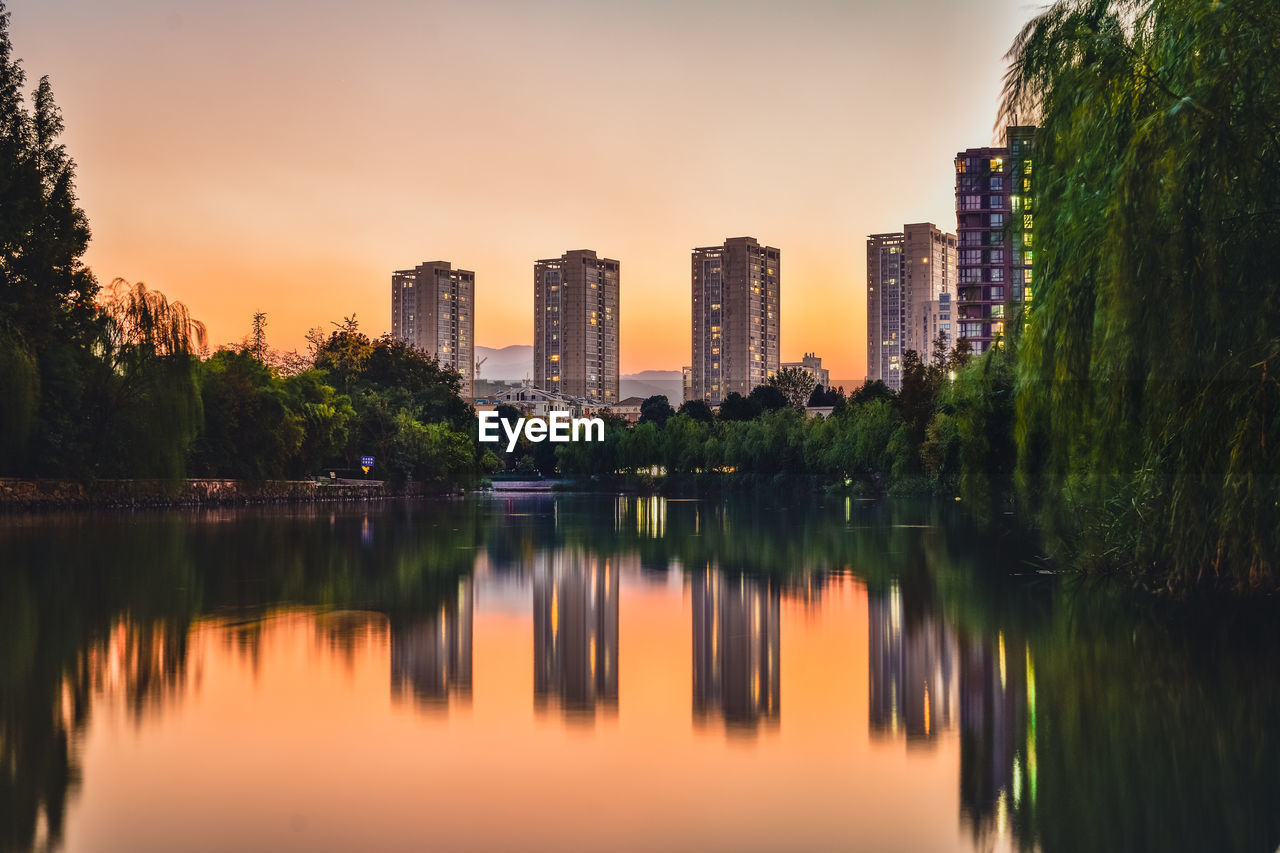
[(997, 164)]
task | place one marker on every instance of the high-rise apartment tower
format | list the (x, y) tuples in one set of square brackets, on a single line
[(911, 276), (736, 318), (995, 218), (433, 309), (575, 326)]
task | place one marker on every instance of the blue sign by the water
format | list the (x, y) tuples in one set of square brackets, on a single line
[(366, 461)]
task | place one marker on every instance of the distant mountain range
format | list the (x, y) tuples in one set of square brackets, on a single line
[(516, 362), (513, 362)]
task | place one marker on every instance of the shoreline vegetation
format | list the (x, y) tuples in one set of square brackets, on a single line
[(1131, 415)]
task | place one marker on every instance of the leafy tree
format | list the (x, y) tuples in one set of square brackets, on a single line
[(869, 391), (830, 396), (48, 321), (735, 407), (143, 401), (256, 343), (768, 398), (250, 431), (698, 410), (20, 391), (795, 384), (656, 409), (1149, 411)]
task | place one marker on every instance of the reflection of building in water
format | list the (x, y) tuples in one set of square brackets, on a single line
[(912, 671), (997, 733), (736, 646), (647, 516), (575, 632), (431, 654)]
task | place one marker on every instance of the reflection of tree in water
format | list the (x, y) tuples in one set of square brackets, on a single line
[(94, 607), (44, 716), (1082, 724), (1137, 731), (81, 620)]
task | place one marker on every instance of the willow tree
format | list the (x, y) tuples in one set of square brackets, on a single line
[(145, 397), (1149, 403)]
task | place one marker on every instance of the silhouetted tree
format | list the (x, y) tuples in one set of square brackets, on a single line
[(656, 410), (698, 410), (735, 407), (795, 384), (768, 398)]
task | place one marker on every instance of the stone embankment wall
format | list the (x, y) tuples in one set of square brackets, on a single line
[(67, 494)]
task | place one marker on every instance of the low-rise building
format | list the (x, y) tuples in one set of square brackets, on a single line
[(812, 365), (537, 402), (629, 408)]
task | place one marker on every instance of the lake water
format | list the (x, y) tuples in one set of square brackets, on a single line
[(591, 673)]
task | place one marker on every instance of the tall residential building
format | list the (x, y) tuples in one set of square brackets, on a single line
[(994, 217), (911, 280), (886, 309), (736, 318), (432, 308), (575, 326)]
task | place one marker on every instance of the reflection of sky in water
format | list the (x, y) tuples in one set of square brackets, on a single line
[(638, 669)]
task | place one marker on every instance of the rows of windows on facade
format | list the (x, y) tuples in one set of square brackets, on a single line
[(736, 321), (923, 282)]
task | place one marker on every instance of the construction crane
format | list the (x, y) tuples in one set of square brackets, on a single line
[(479, 362)]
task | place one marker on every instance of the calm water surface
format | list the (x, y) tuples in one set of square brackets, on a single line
[(571, 673)]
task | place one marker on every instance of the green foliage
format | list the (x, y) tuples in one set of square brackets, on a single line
[(1148, 404), (795, 384), (735, 407), (698, 410), (656, 409), (969, 446), (767, 398), (250, 431), (142, 398), (430, 452), (47, 315), (409, 412), (20, 393)]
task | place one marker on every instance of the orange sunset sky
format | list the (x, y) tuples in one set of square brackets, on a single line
[(286, 155)]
